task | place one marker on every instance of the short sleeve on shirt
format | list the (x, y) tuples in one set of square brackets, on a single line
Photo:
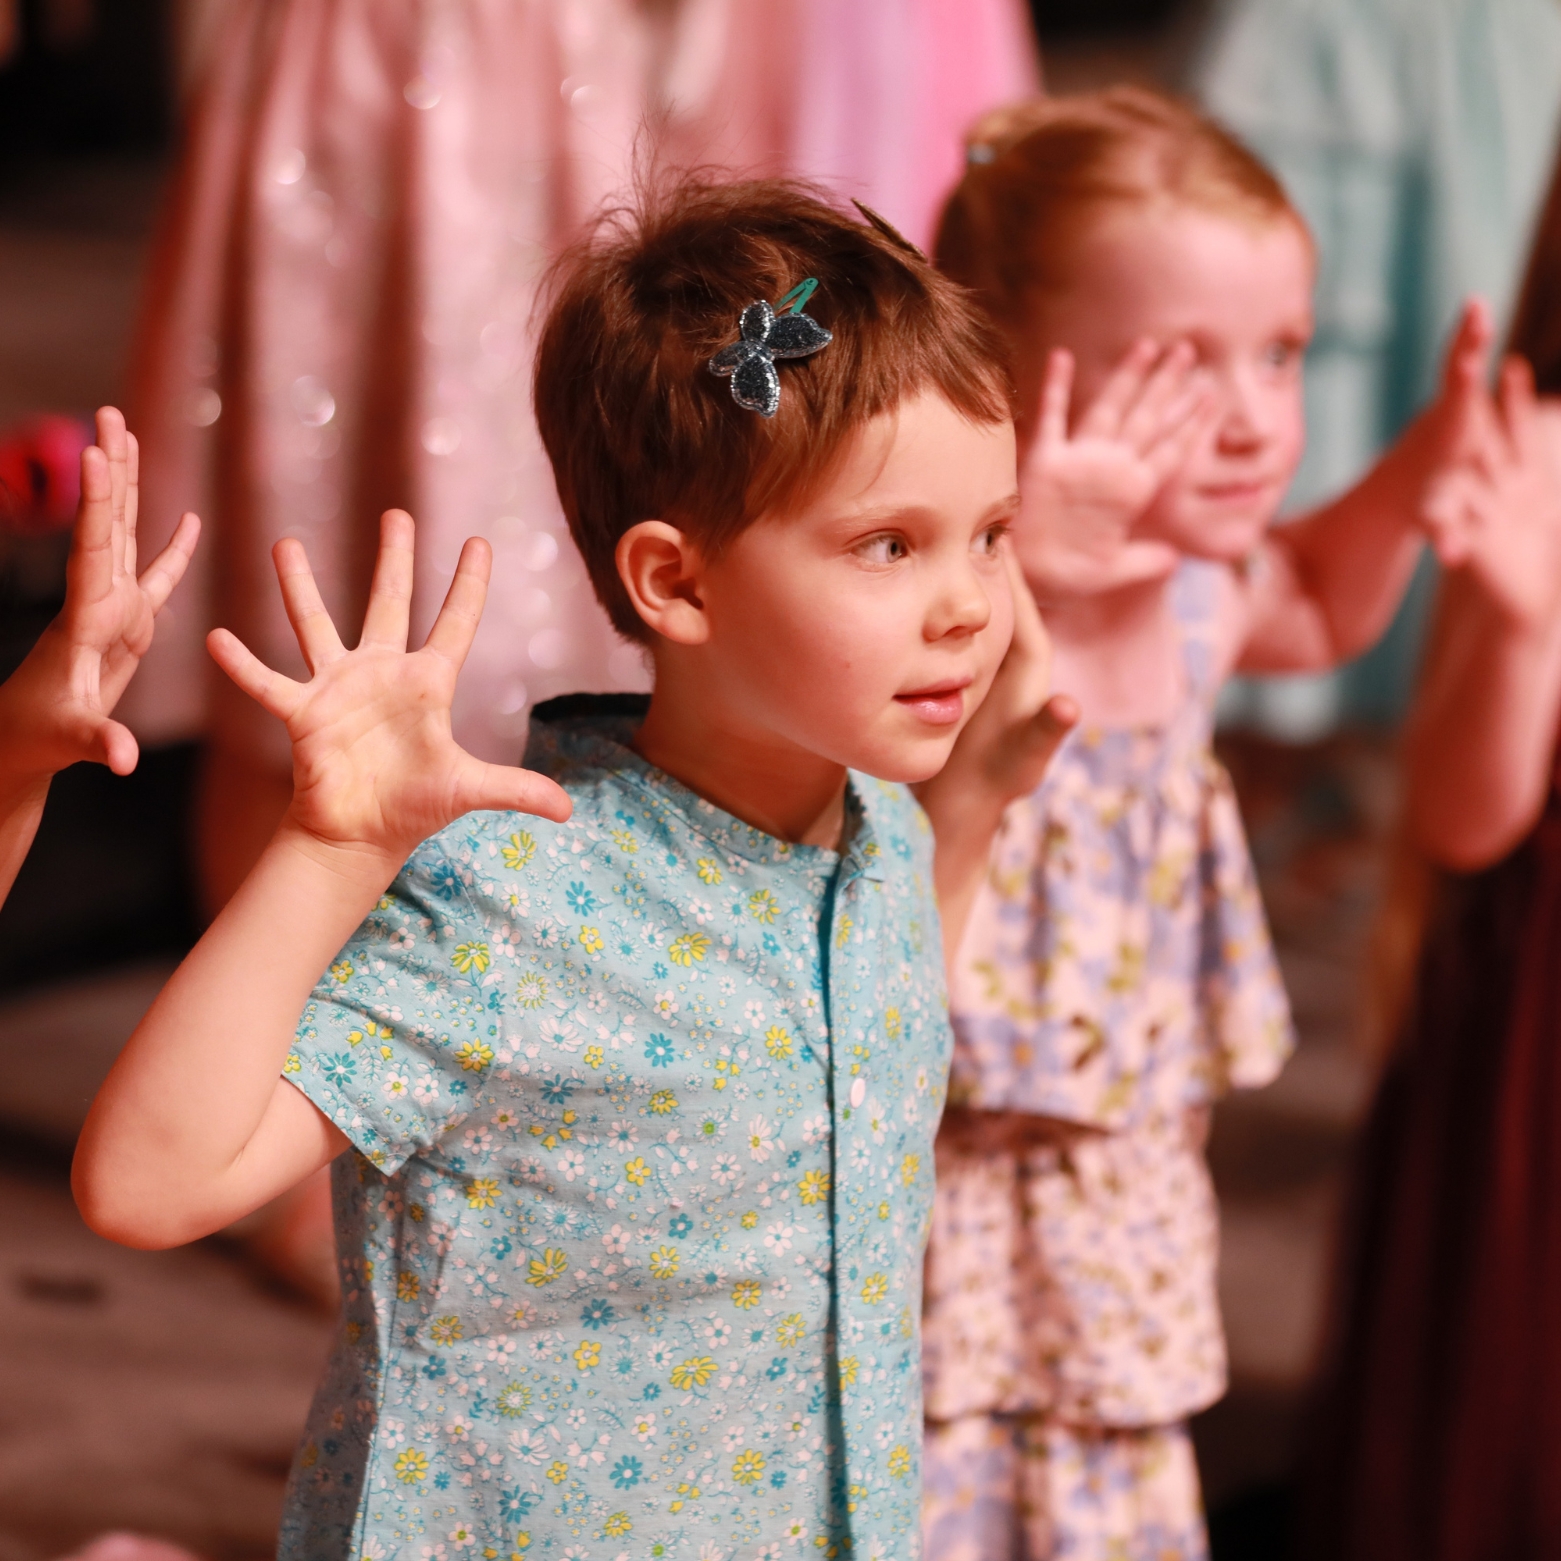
[(401, 1032)]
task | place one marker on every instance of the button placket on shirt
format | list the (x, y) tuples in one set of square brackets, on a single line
[(855, 987)]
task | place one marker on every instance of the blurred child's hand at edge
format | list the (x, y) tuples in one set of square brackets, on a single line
[(1497, 515), (56, 708)]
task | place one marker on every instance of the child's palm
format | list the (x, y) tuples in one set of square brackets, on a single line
[(374, 762), (1100, 485), (1084, 491)]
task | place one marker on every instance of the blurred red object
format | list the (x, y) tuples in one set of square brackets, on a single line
[(40, 472)]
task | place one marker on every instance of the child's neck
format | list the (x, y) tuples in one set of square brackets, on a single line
[(754, 774), (1118, 654)]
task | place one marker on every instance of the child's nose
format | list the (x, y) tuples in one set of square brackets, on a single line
[(962, 605), (1244, 423)]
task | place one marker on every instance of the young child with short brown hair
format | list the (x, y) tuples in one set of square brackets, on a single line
[(631, 1103)]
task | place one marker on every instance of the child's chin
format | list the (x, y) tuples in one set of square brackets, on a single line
[(1223, 541), (910, 762)]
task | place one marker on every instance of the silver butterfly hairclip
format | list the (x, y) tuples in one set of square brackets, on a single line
[(768, 334)]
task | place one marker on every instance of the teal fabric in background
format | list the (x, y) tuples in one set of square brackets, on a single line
[(1416, 136)]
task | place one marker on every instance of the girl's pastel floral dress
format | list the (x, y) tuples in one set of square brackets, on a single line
[(1116, 978), (642, 1110)]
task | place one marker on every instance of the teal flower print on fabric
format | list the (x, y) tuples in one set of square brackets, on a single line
[(631, 1265)]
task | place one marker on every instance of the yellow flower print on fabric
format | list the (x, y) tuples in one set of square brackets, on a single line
[(474, 1056), (519, 850), (513, 1401), (688, 947), (545, 1269), (900, 1461), (843, 932), (470, 957), (909, 1166), (693, 1373), (603, 1025), (411, 1466), (341, 972)]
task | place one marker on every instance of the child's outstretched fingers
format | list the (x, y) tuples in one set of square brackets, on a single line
[(375, 767), (277, 695), (388, 618), (456, 626), (317, 636), (165, 571), (1056, 399), (1109, 411), (1464, 403)]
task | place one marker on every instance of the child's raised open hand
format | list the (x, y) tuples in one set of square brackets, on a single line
[(55, 709), (375, 767), (1083, 491), (1497, 513)]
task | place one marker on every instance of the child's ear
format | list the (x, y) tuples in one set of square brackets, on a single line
[(662, 570)]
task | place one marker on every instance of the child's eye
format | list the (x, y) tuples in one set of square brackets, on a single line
[(887, 549), (1282, 354), (991, 539)]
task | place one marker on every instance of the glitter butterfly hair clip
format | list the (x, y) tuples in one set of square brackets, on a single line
[(765, 335)]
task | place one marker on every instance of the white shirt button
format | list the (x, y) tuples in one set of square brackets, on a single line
[(858, 1091)]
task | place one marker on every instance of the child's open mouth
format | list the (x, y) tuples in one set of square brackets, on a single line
[(941, 705)]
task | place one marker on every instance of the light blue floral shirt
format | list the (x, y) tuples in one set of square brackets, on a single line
[(643, 1108)]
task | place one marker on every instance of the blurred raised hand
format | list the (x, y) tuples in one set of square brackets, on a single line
[(1495, 513), (56, 708), (375, 767), (1083, 489)]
